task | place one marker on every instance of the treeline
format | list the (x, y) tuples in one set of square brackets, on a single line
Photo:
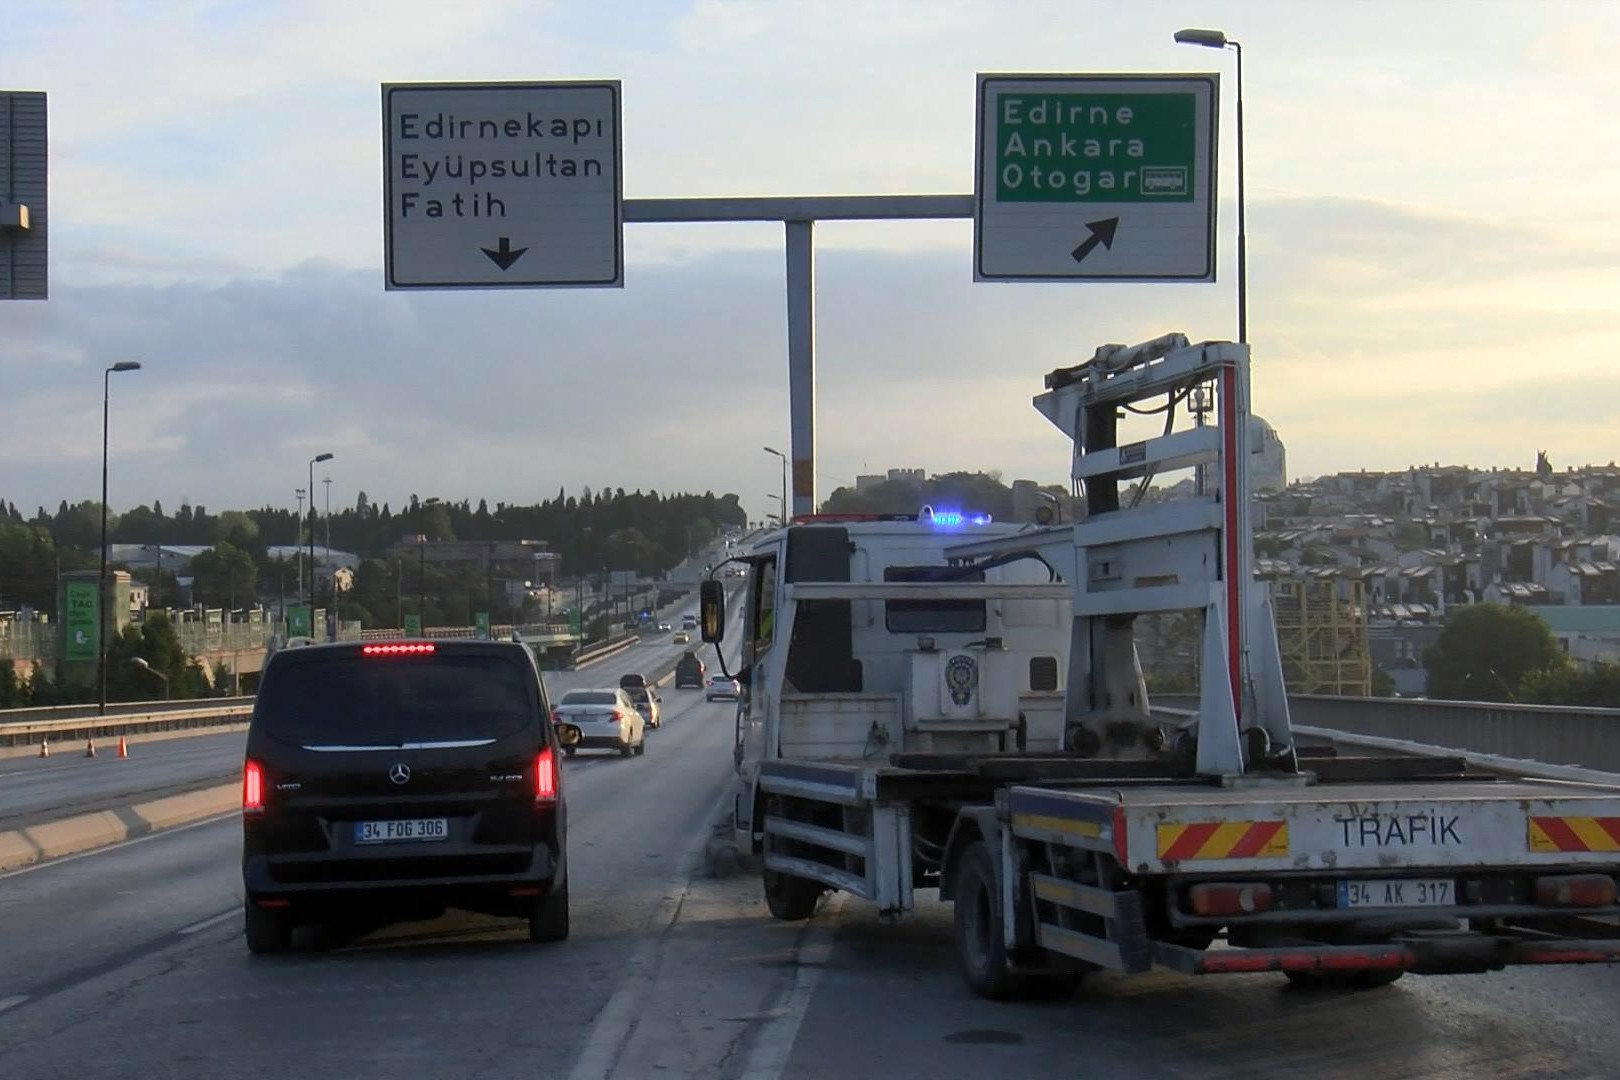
[(971, 493), (641, 531)]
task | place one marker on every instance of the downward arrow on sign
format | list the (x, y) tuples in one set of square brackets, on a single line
[(505, 255)]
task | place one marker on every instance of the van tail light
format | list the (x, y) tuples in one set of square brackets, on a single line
[(252, 787), (1575, 890), (1229, 898), (545, 778), (618, 716)]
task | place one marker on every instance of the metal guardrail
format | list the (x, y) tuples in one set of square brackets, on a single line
[(1587, 738), (32, 731)]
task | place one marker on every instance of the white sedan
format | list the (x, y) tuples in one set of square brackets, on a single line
[(607, 720), (721, 688)]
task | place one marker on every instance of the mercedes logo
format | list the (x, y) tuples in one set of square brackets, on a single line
[(400, 773)]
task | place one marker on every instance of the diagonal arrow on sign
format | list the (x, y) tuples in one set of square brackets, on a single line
[(1102, 232), (505, 254)]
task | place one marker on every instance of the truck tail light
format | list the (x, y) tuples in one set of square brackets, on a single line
[(252, 787), (545, 778), (1575, 890), (1117, 825), (1229, 898)]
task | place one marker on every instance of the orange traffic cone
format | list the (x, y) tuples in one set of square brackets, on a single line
[(44, 748), (123, 748), (89, 747)]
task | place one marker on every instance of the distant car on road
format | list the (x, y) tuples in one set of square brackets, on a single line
[(388, 781), (607, 720), (665, 626), (689, 671), (682, 638), (721, 688), (647, 704)]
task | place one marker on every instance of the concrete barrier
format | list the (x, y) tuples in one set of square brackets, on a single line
[(83, 832)]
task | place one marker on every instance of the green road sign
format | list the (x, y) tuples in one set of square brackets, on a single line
[(413, 626), (298, 622), (1095, 177), (573, 621), (80, 624), (481, 625)]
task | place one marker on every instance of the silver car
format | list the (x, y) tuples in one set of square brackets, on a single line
[(720, 688)]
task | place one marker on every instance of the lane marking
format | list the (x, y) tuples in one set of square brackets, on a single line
[(608, 1036), (12, 1002), (773, 1046), (158, 834), (212, 920)]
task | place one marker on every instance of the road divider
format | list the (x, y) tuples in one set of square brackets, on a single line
[(83, 832)]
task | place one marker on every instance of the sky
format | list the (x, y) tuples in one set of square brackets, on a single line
[(1433, 245)]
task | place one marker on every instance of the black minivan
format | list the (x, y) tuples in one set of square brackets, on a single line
[(388, 781)]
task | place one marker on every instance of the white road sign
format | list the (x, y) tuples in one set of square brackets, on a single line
[(1095, 178), (502, 185)]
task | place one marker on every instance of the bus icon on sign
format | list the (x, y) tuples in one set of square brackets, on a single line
[(1164, 180)]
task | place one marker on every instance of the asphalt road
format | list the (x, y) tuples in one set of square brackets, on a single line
[(33, 790)]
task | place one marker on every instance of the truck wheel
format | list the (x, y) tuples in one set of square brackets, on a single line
[(267, 931), (791, 899), (980, 944), (1342, 980)]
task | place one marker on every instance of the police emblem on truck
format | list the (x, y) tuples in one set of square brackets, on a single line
[(961, 676)]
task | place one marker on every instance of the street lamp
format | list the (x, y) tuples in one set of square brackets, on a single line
[(780, 510), (1216, 39), (783, 456), (101, 580), (140, 662), (318, 458)]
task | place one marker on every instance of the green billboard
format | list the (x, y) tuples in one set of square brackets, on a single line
[(481, 626), (298, 624), (80, 623), (413, 626)]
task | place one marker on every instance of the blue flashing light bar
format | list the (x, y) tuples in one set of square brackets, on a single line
[(952, 519)]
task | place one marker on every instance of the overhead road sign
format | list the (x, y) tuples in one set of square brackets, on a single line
[(502, 185), (23, 188), (1095, 178)]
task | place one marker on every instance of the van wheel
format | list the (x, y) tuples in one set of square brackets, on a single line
[(548, 919), (789, 898), (626, 750), (267, 931), (641, 747), (1342, 980)]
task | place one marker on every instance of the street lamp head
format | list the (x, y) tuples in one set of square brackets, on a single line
[(778, 453), (322, 457), (1210, 39), (140, 661), (126, 365)]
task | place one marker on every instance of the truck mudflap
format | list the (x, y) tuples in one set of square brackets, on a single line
[(1427, 954)]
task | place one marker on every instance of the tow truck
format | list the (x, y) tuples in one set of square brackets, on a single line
[(941, 701)]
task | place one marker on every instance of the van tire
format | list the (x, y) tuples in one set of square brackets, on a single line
[(548, 919), (268, 932)]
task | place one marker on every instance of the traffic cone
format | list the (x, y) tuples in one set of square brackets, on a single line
[(89, 747), (123, 747), (44, 748)]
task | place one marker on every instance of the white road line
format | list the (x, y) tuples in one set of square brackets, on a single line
[(614, 1025), (12, 1002), (773, 1046), (611, 1031), (213, 920), (48, 863)]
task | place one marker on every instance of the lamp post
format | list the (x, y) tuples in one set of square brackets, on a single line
[(785, 502), (298, 544), (781, 508), (101, 579), (140, 662), (312, 463), (1216, 39)]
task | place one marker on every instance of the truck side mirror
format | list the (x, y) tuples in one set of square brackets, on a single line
[(712, 609)]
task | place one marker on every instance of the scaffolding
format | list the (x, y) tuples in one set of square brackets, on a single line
[(1322, 635)]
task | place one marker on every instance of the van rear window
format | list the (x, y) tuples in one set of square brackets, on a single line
[(350, 700)]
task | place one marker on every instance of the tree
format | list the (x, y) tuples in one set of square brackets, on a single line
[(223, 576), (1487, 650), (1598, 687)]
